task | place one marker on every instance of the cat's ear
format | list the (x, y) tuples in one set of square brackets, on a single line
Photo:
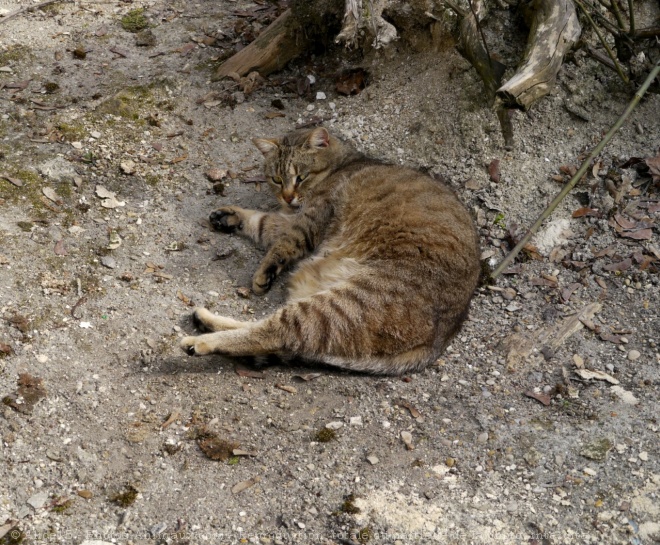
[(319, 138), (266, 145)]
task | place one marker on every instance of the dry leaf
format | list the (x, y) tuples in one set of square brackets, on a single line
[(273, 115), (407, 405), (14, 181), (185, 299), (494, 170), (541, 398), (287, 388), (568, 291), (29, 392), (308, 376), (588, 374), (249, 373), (351, 82), (624, 222), (49, 192), (620, 266), (585, 211), (640, 234), (243, 485)]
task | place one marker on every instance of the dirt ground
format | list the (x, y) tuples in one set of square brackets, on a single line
[(113, 155)]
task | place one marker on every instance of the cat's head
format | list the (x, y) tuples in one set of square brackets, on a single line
[(295, 162)]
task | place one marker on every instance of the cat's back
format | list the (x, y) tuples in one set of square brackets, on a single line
[(394, 212)]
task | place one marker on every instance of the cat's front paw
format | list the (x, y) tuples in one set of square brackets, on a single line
[(226, 220), (263, 279), (193, 346)]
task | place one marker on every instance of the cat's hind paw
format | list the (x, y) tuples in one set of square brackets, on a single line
[(226, 220)]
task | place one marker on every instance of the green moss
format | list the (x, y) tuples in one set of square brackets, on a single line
[(152, 179), (325, 435), (71, 131), (14, 54), (25, 226), (349, 506), (51, 87), (126, 497), (134, 21), (234, 460), (63, 506)]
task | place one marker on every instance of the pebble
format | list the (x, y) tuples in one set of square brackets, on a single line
[(310, 107), (109, 262), (633, 355), (127, 167), (589, 471), (95, 134), (512, 507), (643, 456), (41, 358), (373, 460), (6, 69), (355, 420), (320, 95), (77, 145), (38, 500), (386, 424), (483, 437), (334, 425)]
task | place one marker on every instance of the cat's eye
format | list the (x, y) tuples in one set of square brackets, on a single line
[(277, 180), (301, 178)]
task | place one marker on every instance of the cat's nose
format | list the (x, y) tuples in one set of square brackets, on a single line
[(288, 198)]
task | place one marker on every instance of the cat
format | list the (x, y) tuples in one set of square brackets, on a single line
[(388, 260)]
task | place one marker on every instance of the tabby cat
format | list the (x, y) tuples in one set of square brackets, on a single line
[(388, 259)]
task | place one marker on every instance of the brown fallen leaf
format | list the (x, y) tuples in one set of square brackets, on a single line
[(407, 405), (541, 398), (29, 392), (85, 494), (494, 170), (248, 373), (287, 388), (654, 167), (273, 115), (569, 290), (308, 376), (625, 222), (543, 282), (186, 300), (186, 49), (244, 485), (585, 211), (620, 266), (640, 234), (179, 159), (14, 181), (610, 337), (118, 51), (609, 251)]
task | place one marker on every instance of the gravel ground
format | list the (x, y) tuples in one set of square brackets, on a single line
[(115, 146)]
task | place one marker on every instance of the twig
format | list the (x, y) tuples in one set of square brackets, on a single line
[(631, 16), (602, 40), (585, 165), (481, 33), (31, 8), (617, 15)]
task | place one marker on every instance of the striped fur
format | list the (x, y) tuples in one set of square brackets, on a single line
[(387, 261)]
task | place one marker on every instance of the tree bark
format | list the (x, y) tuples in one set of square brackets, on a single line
[(555, 28), (270, 51)]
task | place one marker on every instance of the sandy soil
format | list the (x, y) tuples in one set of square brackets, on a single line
[(96, 288)]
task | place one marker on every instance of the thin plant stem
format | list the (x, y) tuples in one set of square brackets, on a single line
[(631, 16), (585, 165), (481, 33), (617, 15), (602, 40)]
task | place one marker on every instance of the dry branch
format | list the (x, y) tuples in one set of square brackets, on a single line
[(555, 28), (31, 8), (271, 51)]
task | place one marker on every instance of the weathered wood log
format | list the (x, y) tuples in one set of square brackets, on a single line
[(270, 51), (554, 30)]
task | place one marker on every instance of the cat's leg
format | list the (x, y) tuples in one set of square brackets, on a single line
[(207, 321), (262, 227), (251, 340), (299, 239)]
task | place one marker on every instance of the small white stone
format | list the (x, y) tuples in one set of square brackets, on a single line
[(373, 460), (95, 134), (311, 79), (355, 420), (42, 358), (332, 105), (310, 107), (386, 424), (77, 145), (643, 456), (301, 525), (38, 500), (483, 437), (320, 95), (633, 355), (242, 514), (589, 471), (334, 425)]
